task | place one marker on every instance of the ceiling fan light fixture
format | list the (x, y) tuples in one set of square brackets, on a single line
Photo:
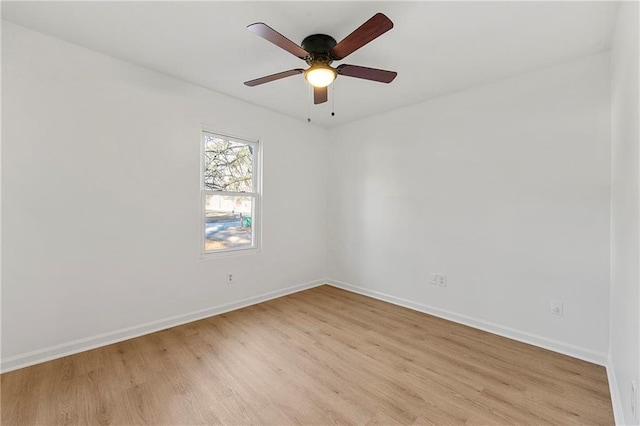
[(320, 75)]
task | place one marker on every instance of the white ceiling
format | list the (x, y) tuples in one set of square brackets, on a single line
[(436, 47)]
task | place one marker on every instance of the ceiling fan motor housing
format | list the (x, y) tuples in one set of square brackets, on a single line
[(319, 47)]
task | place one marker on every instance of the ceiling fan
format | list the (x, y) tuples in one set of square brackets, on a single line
[(320, 50)]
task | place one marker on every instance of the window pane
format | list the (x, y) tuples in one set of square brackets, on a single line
[(228, 165), (228, 222)]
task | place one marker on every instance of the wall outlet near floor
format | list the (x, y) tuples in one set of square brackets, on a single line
[(229, 277), (442, 280), (634, 401), (557, 307), (438, 279)]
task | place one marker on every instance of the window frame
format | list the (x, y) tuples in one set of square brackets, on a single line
[(256, 195)]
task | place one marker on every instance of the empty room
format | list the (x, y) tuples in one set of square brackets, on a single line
[(278, 213)]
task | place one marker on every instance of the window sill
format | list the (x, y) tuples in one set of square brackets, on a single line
[(228, 253)]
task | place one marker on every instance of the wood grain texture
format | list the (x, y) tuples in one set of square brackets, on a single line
[(316, 357)]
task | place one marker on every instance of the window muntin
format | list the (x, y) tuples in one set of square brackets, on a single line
[(230, 194)]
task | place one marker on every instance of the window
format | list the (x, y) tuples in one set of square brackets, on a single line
[(230, 194)]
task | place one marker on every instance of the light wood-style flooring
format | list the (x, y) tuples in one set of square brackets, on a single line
[(320, 356)]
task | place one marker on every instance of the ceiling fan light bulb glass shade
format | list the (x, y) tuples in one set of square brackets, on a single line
[(320, 76)]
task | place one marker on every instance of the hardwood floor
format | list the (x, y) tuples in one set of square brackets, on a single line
[(316, 357)]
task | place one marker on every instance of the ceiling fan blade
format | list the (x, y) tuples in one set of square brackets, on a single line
[(319, 95), (374, 74), (273, 77), (269, 34), (377, 25)]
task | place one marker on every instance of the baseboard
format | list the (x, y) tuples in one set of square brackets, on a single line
[(618, 412), (80, 345), (543, 342)]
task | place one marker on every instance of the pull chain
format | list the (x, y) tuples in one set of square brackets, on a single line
[(309, 104), (333, 99)]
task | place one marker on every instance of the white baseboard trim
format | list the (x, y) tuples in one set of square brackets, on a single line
[(80, 345), (618, 412), (532, 339)]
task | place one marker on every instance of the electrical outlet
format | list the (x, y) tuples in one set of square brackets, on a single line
[(433, 279), (442, 280), (438, 279), (557, 307), (229, 277), (634, 401)]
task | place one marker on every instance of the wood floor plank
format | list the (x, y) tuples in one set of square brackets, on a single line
[(321, 356)]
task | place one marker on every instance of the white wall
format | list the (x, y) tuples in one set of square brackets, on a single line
[(504, 188), (100, 199), (625, 211)]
